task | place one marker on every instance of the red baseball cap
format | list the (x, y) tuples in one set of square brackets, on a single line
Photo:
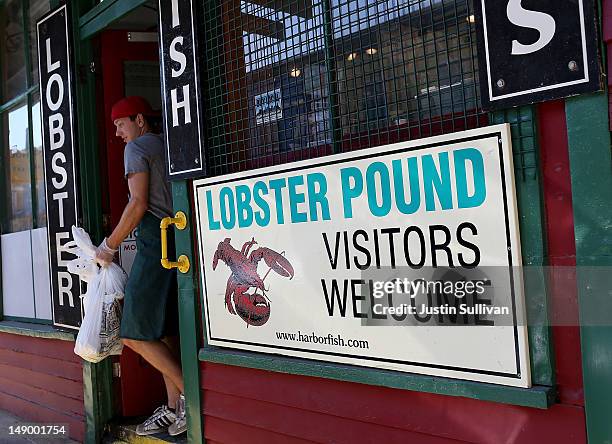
[(131, 106)]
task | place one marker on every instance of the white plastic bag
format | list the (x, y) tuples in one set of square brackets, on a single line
[(99, 333), (84, 265)]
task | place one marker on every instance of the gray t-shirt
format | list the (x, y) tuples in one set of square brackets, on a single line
[(146, 154)]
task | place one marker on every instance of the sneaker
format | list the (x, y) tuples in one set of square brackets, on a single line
[(180, 423), (158, 422)]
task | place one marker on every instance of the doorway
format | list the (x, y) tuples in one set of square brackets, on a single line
[(129, 66)]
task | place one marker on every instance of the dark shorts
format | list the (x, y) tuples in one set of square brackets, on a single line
[(150, 308)]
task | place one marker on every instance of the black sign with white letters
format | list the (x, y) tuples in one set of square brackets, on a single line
[(59, 145), (181, 89), (536, 50)]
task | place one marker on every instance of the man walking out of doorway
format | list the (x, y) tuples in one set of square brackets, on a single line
[(149, 325)]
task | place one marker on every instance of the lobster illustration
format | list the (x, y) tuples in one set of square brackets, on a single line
[(253, 308)]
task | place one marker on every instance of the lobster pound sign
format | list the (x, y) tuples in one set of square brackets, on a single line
[(253, 308)]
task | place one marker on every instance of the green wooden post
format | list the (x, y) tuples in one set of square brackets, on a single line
[(591, 173), (525, 151), (188, 315), (97, 397)]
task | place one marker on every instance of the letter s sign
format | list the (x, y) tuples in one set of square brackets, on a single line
[(539, 21), (536, 50)]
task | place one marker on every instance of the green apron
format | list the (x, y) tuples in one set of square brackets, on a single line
[(150, 308)]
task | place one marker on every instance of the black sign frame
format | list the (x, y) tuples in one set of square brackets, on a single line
[(180, 78), (567, 65), (58, 124)]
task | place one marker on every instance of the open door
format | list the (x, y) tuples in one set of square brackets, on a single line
[(129, 66)]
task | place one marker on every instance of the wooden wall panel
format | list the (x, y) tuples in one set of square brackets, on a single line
[(41, 380), (220, 431), (39, 413), (50, 348), (51, 366), (40, 396), (313, 426), (323, 410), (53, 384)]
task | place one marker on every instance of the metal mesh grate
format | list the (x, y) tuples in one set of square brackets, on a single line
[(295, 79), (524, 143)]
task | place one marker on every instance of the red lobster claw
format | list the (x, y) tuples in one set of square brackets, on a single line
[(274, 260), (221, 249)]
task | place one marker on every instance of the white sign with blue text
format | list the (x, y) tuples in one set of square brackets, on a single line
[(400, 257)]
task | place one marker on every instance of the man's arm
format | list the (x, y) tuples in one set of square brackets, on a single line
[(138, 184)]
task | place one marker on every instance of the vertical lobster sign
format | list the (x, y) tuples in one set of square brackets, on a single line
[(180, 89), (59, 145)]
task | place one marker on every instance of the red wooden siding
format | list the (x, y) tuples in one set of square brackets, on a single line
[(255, 406), (563, 292), (41, 380)]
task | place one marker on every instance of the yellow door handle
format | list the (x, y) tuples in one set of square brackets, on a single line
[(180, 221)]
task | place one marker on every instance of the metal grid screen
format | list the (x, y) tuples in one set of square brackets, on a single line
[(295, 79)]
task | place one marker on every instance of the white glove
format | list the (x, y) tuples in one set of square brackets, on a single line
[(105, 254)]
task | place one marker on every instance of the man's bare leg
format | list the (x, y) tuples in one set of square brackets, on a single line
[(159, 356), (172, 390), (174, 344)]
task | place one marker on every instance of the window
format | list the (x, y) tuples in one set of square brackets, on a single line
[(19, 202), (300, 79), (23, 234), (413, 68)]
